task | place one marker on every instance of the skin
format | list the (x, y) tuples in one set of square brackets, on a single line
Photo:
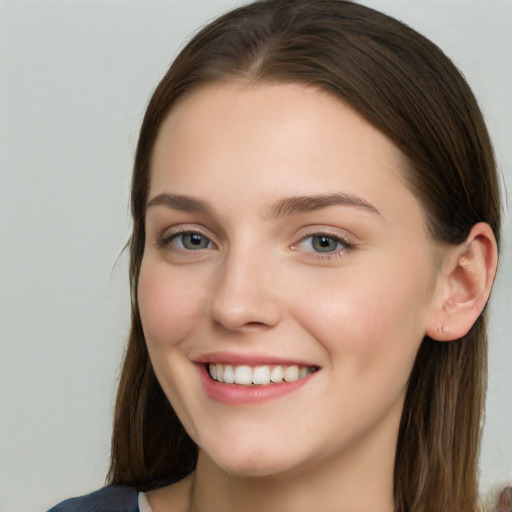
[(357, 313)]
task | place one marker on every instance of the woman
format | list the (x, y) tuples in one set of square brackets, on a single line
[(316, 218)]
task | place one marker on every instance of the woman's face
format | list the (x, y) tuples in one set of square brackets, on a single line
[(281, 243)]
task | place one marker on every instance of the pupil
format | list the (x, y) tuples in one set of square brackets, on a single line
[(195, 239), (324, 243)]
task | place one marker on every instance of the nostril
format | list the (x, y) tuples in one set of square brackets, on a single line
[(248, 326)]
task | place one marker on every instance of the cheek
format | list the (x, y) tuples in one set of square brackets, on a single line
[(368, 314), (168, 304)]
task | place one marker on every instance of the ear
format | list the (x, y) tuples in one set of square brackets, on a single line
[(464, 284)]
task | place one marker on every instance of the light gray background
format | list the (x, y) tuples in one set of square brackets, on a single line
[(75, 77)]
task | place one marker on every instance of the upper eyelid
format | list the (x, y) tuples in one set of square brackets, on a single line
[(321, 232), (161, 219), (186, 228), (327, 231)]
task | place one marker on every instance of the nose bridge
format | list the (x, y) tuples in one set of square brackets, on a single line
[(245, 293)]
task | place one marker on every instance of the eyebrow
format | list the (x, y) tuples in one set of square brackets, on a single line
[(303, 204), (181, 203), (282, 208)]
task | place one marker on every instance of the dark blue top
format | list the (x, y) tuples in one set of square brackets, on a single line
[(114, 498)]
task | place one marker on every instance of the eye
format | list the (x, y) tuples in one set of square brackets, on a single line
[(324, 243), (187, 240)]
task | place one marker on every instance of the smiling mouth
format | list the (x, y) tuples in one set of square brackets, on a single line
[(262, 375)]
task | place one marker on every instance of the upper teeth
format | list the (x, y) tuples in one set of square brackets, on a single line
[(261, 375)]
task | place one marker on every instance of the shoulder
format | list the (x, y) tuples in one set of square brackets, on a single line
[(113, 498)]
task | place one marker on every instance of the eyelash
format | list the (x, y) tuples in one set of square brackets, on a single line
[(344, 244)]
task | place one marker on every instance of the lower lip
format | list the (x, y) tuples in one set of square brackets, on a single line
[(237, 394)]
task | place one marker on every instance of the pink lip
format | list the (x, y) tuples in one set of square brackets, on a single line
[(235, 394), (250, 359)]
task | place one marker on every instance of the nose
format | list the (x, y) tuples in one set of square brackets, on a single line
[(245, 294)]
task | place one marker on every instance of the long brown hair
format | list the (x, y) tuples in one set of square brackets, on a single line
[(407, 88)]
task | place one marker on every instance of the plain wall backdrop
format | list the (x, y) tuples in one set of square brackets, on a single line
[(75, 77)]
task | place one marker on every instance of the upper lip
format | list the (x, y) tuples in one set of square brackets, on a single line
[(250, 359)]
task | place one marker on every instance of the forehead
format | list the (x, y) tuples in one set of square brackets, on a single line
[(284, 139)]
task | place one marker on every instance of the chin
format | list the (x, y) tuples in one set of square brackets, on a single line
[(256, 463), (255, 469)]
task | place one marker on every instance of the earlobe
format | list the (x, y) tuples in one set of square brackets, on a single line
[(466, 281)]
